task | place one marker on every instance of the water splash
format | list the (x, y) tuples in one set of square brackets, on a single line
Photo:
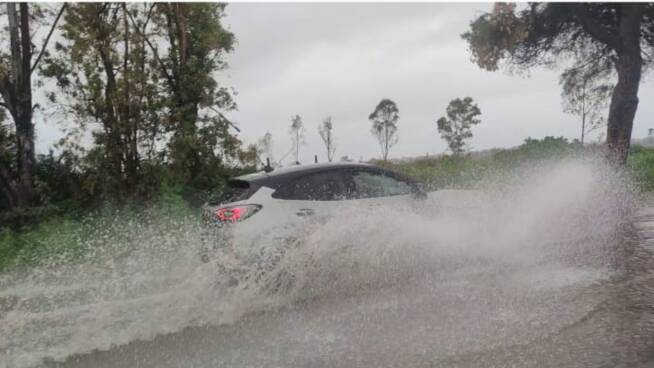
[(551, 230)]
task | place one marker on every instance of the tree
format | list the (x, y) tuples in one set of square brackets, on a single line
[(583, 97), (384, 125), (455, 127), (325, 131), (102, 67), (17, 168), (196, 46), (601, 40), (297, 136), (265, 147), (161, 106)]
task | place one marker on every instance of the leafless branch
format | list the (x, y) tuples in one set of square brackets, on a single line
[(227, 120), (47, 39), (162, 65)]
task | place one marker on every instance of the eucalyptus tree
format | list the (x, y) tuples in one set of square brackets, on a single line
[(600, 40), (265, 147), (196, 43), (296, 132), (456, 126), (106, 76), (146, 74), (17, 66), (326, 134), (586, 98), (384, 125)]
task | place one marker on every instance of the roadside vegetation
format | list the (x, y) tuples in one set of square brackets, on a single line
[(136, 89), (115, 231), (473, 169), (73, 236)]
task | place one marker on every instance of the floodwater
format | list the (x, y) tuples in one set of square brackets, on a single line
[(555, 271)]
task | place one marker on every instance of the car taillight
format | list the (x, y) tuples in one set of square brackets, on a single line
[(236, 213)]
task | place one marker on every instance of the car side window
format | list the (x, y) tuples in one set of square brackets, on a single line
[(371, 184), (326, 186)]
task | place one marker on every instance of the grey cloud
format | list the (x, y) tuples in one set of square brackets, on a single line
[(341, 59)]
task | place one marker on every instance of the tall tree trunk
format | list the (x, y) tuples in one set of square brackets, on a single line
[(185, 114), (583, 126), (17, 93), (24, 125), (624, 103), (624, 100), (385, 141), (17, 180), (113, 142), (129, 124), (583, 112)]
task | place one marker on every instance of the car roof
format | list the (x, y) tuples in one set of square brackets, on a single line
[(277, 176)]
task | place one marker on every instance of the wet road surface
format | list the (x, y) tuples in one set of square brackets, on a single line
[(474, 314)]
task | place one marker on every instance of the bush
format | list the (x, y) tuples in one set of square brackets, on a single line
[(70, 238), (641, 163), (465, 172)]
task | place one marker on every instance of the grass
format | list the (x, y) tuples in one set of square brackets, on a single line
[(478, 169), (473, 170), (72, 237), (641, 163)]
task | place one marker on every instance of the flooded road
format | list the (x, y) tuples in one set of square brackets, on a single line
[(557, 273), (473, 317)]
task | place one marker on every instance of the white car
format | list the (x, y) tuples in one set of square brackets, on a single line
[(275, 205)]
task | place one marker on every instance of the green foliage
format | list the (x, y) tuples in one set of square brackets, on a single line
[(496, 36), (70, 238), (592, 41), (468, 171), (141, 78), (536, 150), (586, 98), (641, 163), (103, 69), (456, 126), (553, 33), (196, 45), (145, 74), (7, 155)]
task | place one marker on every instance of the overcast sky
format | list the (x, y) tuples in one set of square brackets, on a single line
[(341, 59)]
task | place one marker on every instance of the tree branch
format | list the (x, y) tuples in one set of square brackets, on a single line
[(47, 39), (593, 28), (227, 120), (162, 65)]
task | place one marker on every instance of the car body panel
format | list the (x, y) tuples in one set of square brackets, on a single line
[(283, 220)]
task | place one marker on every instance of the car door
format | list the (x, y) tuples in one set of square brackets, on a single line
[(312, 198)]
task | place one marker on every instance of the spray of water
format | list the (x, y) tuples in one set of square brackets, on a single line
[(552, 228)]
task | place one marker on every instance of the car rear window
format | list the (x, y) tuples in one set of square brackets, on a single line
[(235, 190)]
